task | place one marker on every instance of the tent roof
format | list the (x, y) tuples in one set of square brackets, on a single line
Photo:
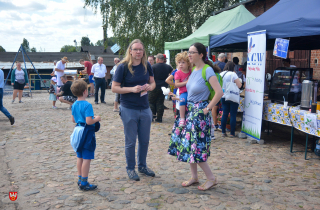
[(217, 24), (297, 19)]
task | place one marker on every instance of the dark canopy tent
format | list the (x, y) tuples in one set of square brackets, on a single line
[(296, 20)]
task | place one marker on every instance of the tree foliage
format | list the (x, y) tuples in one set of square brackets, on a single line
[(155, 21), (111, 41), (25, 45), (2, 49), (104, 6), (33, 49), (85, 41), (68, 48)]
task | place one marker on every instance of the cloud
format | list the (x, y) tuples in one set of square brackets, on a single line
[(56, 23), (33, 6)]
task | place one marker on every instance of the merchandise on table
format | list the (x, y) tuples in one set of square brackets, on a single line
[(286, 84)]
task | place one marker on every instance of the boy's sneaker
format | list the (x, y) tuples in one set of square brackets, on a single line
[(54, 107), (12, 101), (219, 128), (87, 187), (215, 127), (147, 171), (212, 137), (20, 102), (133, 175)]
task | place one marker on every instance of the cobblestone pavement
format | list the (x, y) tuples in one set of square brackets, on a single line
[(37, 161)]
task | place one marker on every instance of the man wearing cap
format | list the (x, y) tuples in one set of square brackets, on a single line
[(99, 71), (59, 70), (156, 98)]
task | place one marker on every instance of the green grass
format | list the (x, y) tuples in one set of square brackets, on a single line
[(250, 131)]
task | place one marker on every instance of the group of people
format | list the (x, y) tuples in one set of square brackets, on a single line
[(139, 84)]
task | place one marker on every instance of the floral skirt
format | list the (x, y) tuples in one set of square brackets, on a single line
[(191, 143)]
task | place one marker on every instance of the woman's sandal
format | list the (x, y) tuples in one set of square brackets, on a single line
[(189, 182), (203, 188)]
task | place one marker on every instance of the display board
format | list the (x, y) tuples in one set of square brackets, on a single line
[(253, 104), (281, 48)]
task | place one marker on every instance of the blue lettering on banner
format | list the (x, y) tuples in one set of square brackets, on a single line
[(255, 103)]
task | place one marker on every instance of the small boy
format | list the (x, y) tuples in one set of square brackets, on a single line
[(82, 114)]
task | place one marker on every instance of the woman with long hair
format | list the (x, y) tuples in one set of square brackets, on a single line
[(231, 107), (133, 79), (19, 78), (191, 143)]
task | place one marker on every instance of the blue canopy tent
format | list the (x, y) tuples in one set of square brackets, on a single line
[(296, 20)]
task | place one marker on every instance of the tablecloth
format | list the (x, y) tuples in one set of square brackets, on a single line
[(292, 116)]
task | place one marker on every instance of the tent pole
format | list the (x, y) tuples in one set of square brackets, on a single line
[(35, 69), (25, 66), (12, 66)]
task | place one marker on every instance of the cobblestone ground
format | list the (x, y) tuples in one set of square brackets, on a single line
[(38, 162)]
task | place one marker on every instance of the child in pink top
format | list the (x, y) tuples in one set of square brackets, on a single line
[(181, 78)]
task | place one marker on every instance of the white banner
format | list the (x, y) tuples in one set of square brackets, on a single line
[(253, 104)]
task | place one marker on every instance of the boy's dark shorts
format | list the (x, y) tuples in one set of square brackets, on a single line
[(86, 154)]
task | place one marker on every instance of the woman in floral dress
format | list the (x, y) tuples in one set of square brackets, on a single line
[(191, 143)]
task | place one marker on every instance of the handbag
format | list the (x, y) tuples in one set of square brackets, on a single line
[(232, 92)]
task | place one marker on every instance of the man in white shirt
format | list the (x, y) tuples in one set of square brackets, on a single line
[(99, 71), (113, 70), (59, 70)]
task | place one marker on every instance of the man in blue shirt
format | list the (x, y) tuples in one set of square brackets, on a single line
[(2, 109), (220, 62)]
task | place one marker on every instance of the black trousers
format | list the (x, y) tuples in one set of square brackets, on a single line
[(156, 102), (100, 83)]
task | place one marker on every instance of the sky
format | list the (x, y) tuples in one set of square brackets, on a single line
[(49, 24)]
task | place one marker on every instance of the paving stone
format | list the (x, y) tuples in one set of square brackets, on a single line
[(103, 194), (31, 192), (63, 197), (181, 191), (237, 186), (236, 179), (111, 198), (153, 204), (122, 202), (116, 206), (267, 181), (168, 185), (253, 199)]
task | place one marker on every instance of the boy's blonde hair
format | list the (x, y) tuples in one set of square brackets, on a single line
[(78, 87), (183, 56)]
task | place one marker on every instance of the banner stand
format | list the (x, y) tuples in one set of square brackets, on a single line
[(253, 102)]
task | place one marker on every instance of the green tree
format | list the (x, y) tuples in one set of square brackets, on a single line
[(111, 41), (99, 43), (68, 48), (105, 11), (155, 22), (85, 41), (25, 45), (33, 49), (2, 49)]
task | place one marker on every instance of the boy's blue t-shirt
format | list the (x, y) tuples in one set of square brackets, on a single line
[(81, 110), (140, 77)]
